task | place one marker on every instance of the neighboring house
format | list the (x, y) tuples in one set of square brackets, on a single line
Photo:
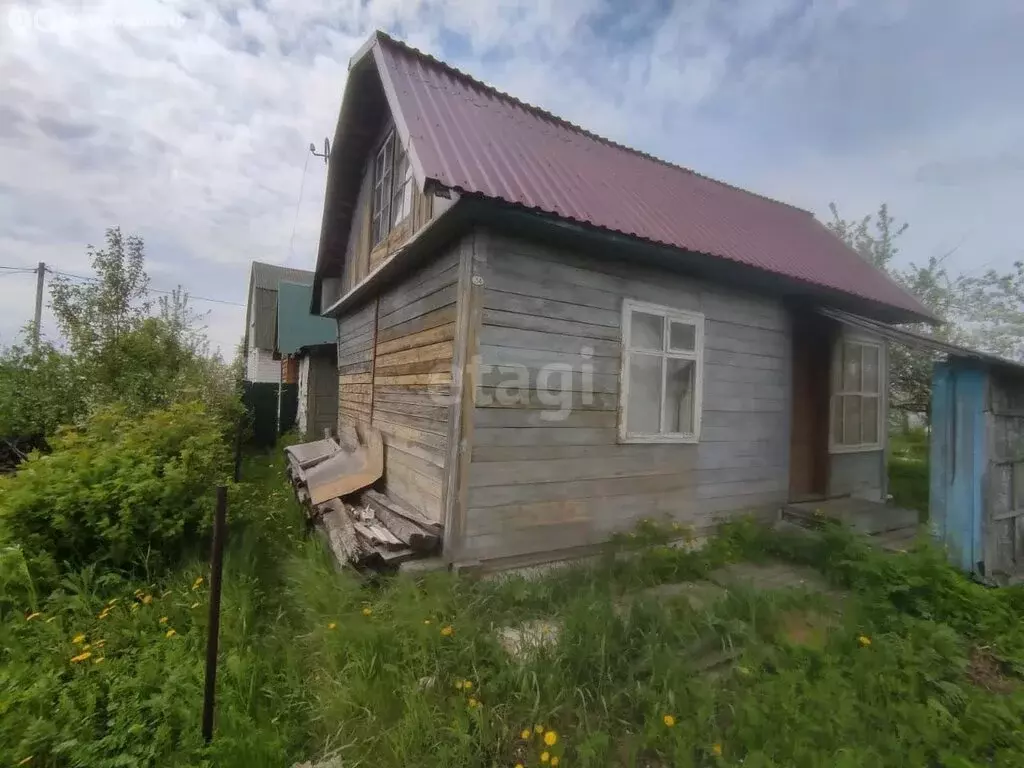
[(557, 335), (309, 343), (261, 365)]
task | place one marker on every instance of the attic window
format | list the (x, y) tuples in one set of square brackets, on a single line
[(392, 187)]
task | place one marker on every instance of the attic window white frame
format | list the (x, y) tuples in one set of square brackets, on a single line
[(846, 393), (667, 352), (391, 202)]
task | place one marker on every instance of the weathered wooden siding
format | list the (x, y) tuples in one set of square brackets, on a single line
[(537, 485), (1002, 521), (395, 372)]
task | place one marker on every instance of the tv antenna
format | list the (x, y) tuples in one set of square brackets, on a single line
[(326, 153)]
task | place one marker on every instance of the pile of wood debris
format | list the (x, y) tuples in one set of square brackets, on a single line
[(363, 527)]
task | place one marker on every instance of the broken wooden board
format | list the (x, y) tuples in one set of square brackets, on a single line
[(340, 532), (384, 508), (307, 455), (422, 538), (346, 472)]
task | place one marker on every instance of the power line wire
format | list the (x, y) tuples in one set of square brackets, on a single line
[(148, 290), (19, 269), (298, 204)]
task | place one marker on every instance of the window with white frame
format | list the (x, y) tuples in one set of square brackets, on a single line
[(392, 187), (856, 422), (662, 374)]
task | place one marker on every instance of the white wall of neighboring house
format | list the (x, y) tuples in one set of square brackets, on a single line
[(261, 366), (303, 412)]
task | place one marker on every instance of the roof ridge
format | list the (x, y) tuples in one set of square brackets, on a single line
[(455, 71)]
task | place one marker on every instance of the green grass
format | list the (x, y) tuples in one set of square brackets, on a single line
[(908, 470), (319, 663)]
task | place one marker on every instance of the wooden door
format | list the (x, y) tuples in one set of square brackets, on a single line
[(808, 450)]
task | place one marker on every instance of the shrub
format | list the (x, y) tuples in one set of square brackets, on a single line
[(123, 490)]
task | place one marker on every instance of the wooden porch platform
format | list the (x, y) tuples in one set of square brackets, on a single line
[(889, 527)]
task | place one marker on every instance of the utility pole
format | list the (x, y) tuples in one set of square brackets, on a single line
[(40, 277)]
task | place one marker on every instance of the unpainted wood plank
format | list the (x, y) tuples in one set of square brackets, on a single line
[(411, 422), (652, 452), (521, 378), (714, 356), (543, 419), (511, 302), (742, 487), (416, 379), (438, 317), (499, 495), (762, 348), (436, 399), (420, 307), (395, 455), (430, 352), (502, 279), (424, 451), (411, 434), (407, 292), (443, 366), (718, 402), (437, 334), (347, 389), (558, 343), (773, 380), (355, 368), (485, 436), (355, 378), (514, 320), (494, 397), (529, 472), (437, 413)]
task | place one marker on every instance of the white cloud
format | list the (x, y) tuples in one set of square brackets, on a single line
[(188, 122)]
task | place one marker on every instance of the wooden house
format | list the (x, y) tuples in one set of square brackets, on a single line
[(557, 335), (307, 345)]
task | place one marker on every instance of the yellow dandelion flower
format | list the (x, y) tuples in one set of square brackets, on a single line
[(538, 729), (447, 631), (716, 750), (551, 738), (668, 720), (525, 734), (367, 611), (544, 757), (31, 616), (197, 583), (554, 761), (333, 625), (78, 639), (163, 619), (170, 633), (147, 599), (81, 657), (25, 760), (194, 606), (98, 661), (864, 641), (472, 702)]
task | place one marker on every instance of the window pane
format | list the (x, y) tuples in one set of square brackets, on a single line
[(870, 423), (871, 377), (647, 331), (680, 389), (851, 367), (682, 336), (837, 420), (642, 412), (851, 420)]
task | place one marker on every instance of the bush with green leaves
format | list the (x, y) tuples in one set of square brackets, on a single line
[(124, 490)]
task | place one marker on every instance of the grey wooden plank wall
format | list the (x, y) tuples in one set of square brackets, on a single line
[(395, 372), (538, 485)]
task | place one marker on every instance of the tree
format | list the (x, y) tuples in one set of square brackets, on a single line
[(985, 312)]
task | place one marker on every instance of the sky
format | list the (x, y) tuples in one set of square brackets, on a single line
[(188, 122)]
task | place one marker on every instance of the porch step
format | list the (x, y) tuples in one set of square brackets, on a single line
[(860, 515)]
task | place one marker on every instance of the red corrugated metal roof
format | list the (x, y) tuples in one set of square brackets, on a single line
[(475, 139)]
